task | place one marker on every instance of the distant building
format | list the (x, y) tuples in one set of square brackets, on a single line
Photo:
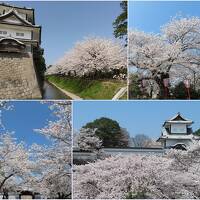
[(177, 133)]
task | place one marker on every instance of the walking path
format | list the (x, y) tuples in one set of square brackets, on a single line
[(69, 94), (120, 93)]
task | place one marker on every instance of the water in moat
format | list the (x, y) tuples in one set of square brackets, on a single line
[(51, 92)]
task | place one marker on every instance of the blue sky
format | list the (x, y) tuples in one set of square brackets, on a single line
[(137, 117), (148, 16), (26, 116), (65, 23)]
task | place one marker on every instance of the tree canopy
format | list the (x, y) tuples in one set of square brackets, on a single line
[(46, 169), (93, 57), (109, 131), (141, 140), (120, 23), (40, 64), (87, 140), (169, 54), (141, 176), (180, 92), (197, 132)]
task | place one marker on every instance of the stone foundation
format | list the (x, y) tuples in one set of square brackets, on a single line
[(17, 77)]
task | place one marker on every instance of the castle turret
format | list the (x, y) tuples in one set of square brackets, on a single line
[(19, 40), (177, 133), (19, 24)]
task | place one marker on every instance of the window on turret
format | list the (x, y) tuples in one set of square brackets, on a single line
[(3, 32), (20, 34)]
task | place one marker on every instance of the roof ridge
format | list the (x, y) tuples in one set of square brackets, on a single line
[(179, 114), (11, 38), (13, 6), (14, 11)]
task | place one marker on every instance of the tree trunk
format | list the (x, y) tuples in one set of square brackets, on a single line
[(194, 75), (5, 195), (159, 80), (5, 179)]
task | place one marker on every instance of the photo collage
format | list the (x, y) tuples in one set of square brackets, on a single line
[(99, 99)]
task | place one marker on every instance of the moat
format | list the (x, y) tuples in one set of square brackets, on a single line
[(51, 92)]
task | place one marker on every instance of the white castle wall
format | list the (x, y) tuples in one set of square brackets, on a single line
[(11, 32), (170, 143), (179, 128)]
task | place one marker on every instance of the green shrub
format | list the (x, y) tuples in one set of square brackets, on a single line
[(136, 195), (180, 92)]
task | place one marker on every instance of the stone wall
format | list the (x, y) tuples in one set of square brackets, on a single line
[(17, 77)]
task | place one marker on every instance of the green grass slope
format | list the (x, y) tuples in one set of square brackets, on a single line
[(88, 89)]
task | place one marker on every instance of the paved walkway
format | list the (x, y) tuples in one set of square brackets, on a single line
[(120, 93), (69, 94)]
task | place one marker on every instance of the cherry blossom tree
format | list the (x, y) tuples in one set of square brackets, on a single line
[(153, 55), (186, 32), (91, 57), (15, 167), (54, 70), (15, 163), (125, 138), (115, 177), (88, 141), (52, 171), (4, 105), (141, 176), (40, 168), (163, 56), (75, 138), (60, 129), (141, 140), (53, 163)]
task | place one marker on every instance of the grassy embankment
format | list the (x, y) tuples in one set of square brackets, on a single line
[(88, 89)]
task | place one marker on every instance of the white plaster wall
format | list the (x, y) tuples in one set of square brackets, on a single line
[(11, 32), (173, 142), (12, 197), (26, 197), (178, 128), (12, 20), (124, 151)]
